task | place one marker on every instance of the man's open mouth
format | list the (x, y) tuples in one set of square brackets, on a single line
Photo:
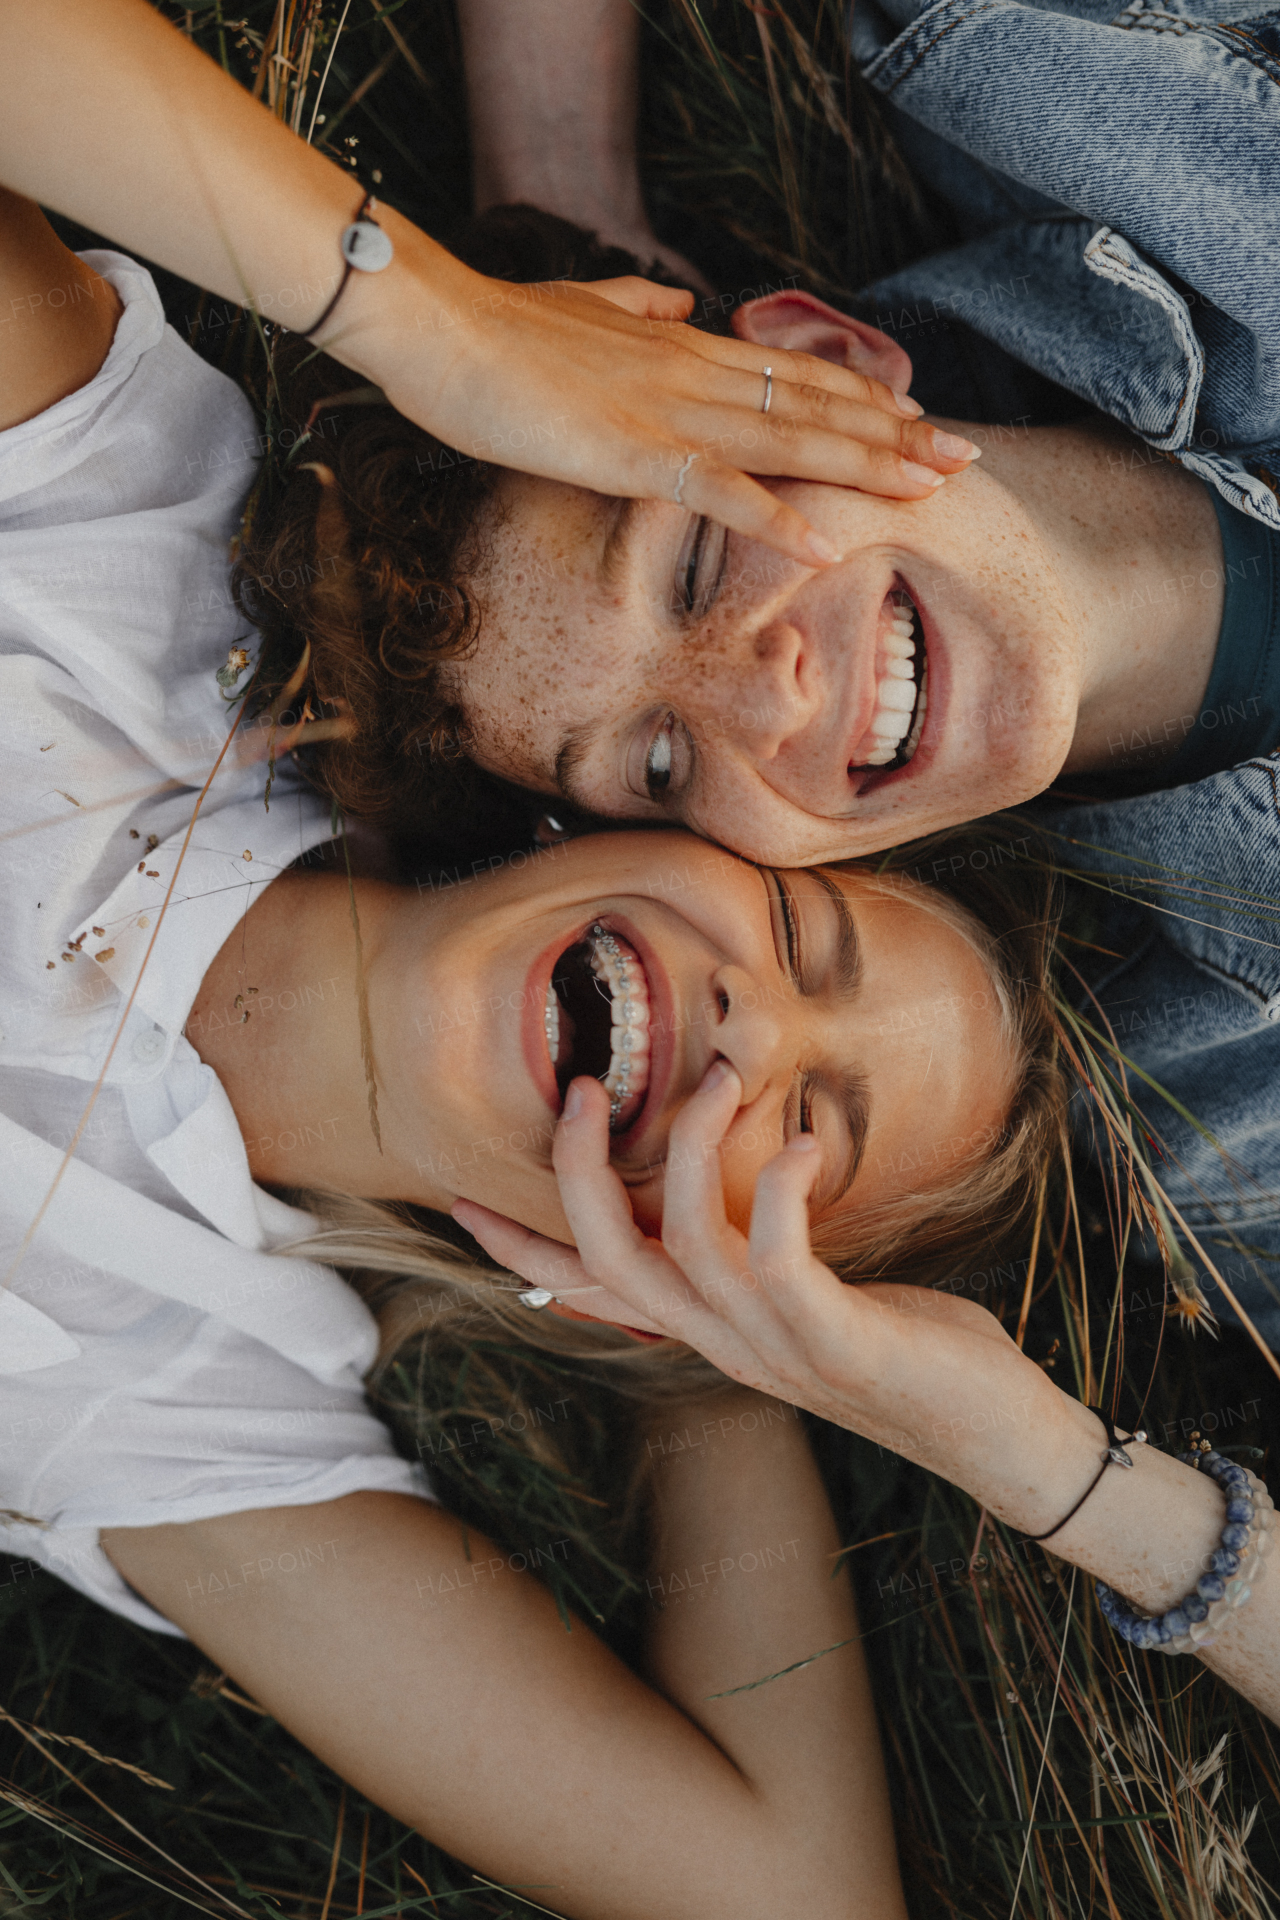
[(902, 688), (596, 1020)]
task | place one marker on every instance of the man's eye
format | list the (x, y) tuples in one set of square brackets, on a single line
[(660, 760), (700, 568), (657, 762)]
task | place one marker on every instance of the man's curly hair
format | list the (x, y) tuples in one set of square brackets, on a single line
[(362, 542)]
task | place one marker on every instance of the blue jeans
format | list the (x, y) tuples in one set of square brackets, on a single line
[(1188, 888), (1115, 182)]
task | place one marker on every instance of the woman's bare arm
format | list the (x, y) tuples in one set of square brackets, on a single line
[(57, 317), (435, 1675), (113, 117), (934, 1378)]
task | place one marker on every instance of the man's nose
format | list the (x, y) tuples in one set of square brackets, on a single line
[(753, 1029), (767, 696)]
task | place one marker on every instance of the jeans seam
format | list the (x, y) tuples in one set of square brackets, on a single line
[(937, 38), (1251, 50), (1122, 274), (1247, 987)]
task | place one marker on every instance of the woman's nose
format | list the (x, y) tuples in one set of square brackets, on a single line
[(752, 1028)]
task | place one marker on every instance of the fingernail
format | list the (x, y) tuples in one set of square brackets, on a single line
[(925, 475), (803, 1143), (907, 405), (572, 1102), (952, 447), (822, 550), (715, 1076)]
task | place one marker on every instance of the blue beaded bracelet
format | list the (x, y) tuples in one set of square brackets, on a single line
[(1233, 1569)]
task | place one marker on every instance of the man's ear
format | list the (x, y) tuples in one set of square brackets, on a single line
[(805, 324)]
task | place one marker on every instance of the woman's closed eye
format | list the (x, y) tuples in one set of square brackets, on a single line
[(797, 1115)]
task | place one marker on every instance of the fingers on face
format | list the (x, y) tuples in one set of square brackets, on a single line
[(744, 506), (797, 371), (645, 298), (695, 1229), (594, 1199), (547, 1263), (779, 1239)]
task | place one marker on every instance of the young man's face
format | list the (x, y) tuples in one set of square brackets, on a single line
[(646, 666)]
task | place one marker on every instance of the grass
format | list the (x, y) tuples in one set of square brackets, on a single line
[(1039, 1767), (1137, 1806)]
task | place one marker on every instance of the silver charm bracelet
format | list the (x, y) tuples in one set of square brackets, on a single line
[(366, 248)]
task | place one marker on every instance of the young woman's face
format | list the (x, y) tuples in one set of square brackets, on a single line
[(646, 666), (846, 1007)]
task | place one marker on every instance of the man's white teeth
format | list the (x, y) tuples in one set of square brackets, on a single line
[(896, 694), (922, 708)]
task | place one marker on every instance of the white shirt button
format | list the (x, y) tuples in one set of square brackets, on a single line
[(149, 1047)]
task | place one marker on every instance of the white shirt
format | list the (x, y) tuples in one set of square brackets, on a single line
[(159, 1362)]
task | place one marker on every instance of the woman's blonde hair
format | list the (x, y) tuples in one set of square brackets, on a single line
[(997, 894)]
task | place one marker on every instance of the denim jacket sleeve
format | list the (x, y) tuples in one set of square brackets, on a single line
[(1190, 910), (1114, 170)]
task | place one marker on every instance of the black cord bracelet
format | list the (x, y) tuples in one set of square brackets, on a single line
[(360, 250), (1115, 1456)]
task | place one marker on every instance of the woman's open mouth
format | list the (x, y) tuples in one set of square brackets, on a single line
[(596, 1021), (902, 688)]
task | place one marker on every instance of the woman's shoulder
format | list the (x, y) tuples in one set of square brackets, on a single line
[(156, 427)]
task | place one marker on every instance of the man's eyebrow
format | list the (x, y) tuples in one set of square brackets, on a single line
[(620, 521), (573, 750)]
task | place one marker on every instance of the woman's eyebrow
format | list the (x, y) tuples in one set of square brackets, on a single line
[(850, 1090), (848, 961)]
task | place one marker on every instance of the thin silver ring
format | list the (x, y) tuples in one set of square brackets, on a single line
[(768, 390), (681, 477)]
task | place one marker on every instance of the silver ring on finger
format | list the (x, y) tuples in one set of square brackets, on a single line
[(768, 390), (681, 477)]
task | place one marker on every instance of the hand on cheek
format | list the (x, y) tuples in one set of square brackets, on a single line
[(699, 1277)]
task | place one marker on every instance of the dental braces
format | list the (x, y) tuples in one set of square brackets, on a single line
[(605, 939)]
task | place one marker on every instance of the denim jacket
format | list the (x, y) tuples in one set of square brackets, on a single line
[(1113, 167), (1190, 895)]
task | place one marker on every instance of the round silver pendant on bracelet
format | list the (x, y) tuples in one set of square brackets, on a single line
[(367, 247)]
